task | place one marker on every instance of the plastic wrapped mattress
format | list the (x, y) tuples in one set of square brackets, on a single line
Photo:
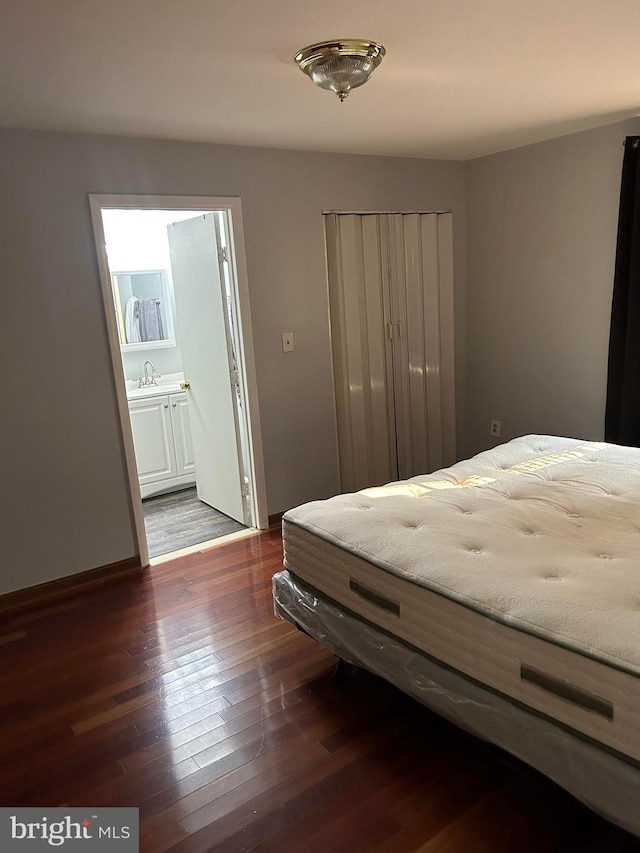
[(596, 777), (519, 570)]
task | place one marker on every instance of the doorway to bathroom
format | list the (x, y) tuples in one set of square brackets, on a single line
[(176, 299)]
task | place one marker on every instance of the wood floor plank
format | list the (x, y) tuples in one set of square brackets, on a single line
[(237, 789), (12, 637), (178, 692), (256, 755), (321, 817), (152, 779), (117, 710), (260, 809)]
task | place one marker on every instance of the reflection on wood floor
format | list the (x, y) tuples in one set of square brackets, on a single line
[(180, 693), (179, 519)]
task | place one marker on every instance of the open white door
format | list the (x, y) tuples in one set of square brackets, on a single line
[(203, 330)]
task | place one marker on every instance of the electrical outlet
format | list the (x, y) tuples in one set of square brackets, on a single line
[(287, 342), (494, 428)]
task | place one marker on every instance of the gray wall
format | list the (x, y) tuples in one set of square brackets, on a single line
[(541, 237), (63, 476)]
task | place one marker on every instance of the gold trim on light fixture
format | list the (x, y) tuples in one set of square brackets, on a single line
[(340, 65)]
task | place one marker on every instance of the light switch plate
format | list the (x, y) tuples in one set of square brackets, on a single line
[(287, 342)]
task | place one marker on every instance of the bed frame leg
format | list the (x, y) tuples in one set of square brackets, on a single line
[(338, 672)]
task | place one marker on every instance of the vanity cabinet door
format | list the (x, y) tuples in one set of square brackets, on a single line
[(182, 434), (153, 439)]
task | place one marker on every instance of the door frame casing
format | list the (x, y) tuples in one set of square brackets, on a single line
[(232, 205)]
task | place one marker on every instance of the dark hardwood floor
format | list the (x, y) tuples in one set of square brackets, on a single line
[(179, 692), (178, 519)]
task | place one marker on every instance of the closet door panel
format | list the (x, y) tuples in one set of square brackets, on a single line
[(428, 239), (401, 375), (417, 343), (412, 262), (391, 310), (377, 354), (388, 334), (415, 262), (338, 321), (447, 345), (357, 312), (349, 234)]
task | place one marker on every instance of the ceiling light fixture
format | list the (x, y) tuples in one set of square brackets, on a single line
[(340, 65)]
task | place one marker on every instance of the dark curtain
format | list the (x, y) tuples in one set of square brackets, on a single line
[(622, 419)]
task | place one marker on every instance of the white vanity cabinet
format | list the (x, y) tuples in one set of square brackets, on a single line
[(162, 440), (179, 409)]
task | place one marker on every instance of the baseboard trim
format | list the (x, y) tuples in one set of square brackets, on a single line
[(53, 591), (275, 520)]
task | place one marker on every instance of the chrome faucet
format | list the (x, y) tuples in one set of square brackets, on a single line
[(151, 375)]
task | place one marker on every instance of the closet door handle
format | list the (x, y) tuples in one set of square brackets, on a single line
[(390, 331), (399, 328)]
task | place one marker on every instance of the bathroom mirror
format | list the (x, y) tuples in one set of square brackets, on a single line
[(143, 309)]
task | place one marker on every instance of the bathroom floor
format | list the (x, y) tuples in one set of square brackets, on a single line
[(179, 519)]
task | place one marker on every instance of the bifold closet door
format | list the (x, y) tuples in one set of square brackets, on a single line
[(422, 312), (391, 312), (359, 303)]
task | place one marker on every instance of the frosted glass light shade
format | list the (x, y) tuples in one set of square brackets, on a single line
[(340, 65)]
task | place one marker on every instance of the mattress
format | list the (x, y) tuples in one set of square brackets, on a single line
[(519, 568), (600, 780)]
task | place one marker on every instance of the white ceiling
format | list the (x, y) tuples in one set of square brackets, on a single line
[(461, 78)]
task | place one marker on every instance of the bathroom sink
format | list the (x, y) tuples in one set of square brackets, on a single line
[(153, 390), (168, 385)]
